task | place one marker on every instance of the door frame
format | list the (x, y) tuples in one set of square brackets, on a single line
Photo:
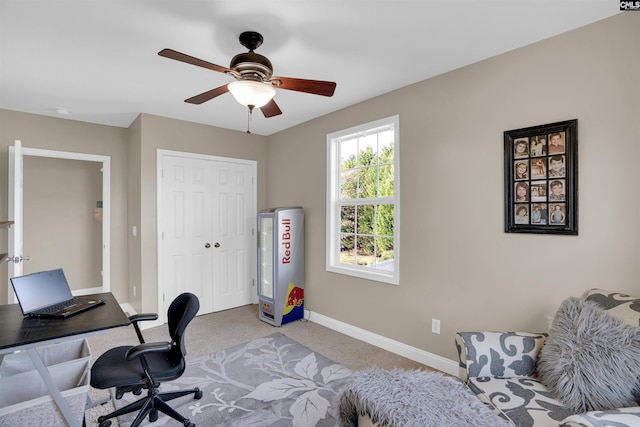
[(160, 154), (16, 173)]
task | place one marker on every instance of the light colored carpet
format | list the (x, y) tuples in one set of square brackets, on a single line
[(217, 331)]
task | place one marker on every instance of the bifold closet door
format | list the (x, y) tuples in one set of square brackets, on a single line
[(206, 232)]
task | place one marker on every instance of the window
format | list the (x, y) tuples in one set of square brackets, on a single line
[(363, 196)]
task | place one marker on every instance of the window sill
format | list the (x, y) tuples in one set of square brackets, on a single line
[(362, 273)]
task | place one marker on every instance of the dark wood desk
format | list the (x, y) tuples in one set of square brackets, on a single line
[(23, 333)]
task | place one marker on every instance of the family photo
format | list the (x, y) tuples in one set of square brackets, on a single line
[(540, 179)]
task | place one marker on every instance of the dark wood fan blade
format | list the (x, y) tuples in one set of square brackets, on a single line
[(173, 54), (270, 109), (208, 95), (316, 87)]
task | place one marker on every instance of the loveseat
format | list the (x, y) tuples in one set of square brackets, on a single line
[(584, 372)]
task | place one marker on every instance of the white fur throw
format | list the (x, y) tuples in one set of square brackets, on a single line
[(413, 399), (591, 360)]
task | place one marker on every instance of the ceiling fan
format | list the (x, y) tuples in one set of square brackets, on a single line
[(255, 84)]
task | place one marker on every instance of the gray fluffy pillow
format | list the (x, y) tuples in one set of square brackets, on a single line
[(591, 360)]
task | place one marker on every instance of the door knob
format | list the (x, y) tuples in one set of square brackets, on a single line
[(17, 259), (207, 245)]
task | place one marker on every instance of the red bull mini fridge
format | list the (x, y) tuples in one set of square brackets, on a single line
[(281, 265)]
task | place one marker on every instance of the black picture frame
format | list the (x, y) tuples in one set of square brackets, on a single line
[(541, 179)]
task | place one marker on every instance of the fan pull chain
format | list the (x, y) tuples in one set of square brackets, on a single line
[(249, 116)]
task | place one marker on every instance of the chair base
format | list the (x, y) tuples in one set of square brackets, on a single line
[(150, 406), (135, 389)]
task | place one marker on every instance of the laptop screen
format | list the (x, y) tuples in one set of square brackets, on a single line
[(42, 289)]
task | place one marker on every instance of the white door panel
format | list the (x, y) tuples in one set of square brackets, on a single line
[(187, 189), (233, 233)]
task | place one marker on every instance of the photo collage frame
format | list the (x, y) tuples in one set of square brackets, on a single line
[(541, 179)]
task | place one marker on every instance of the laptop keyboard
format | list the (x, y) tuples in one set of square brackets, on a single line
[(56, 308)]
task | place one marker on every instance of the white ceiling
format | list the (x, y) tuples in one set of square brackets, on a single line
[(97, 59)]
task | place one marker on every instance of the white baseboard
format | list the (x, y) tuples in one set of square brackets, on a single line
[(433, 360), (128, 308)]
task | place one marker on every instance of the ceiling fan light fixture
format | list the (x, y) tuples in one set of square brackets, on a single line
[(250, 92)]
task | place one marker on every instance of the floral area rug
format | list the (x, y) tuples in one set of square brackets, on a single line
[(271, 381)]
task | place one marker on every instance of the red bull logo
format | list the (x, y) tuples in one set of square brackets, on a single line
[(295, 298)]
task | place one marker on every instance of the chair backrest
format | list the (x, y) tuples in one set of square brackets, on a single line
[(181, 311)]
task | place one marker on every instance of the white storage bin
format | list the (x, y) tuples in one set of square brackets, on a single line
[(16, 363), (24, 397)]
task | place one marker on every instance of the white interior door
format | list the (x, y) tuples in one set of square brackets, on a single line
[(15, 215), (206, 238)]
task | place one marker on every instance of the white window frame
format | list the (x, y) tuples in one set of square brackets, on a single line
[(333, 207)]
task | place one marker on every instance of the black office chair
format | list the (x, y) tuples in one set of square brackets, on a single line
[(144, 366)]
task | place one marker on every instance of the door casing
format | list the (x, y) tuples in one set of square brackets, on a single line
[(16, 164)]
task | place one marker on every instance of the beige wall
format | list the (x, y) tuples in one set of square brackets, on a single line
[(458, 265), (66, 135)]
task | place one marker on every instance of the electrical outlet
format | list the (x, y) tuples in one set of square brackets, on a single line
[(435, 326)]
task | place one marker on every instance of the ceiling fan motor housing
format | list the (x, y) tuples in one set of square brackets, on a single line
[(252, 66)]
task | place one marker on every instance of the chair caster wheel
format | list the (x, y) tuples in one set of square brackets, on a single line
[(153, 415), (198, 395), (188, 423), (104, 423)]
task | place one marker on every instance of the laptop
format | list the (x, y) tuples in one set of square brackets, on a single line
[(47, 294)]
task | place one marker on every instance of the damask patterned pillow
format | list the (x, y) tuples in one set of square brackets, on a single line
[(591, 360), (500, 354), (625, 307), (615, 417)]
